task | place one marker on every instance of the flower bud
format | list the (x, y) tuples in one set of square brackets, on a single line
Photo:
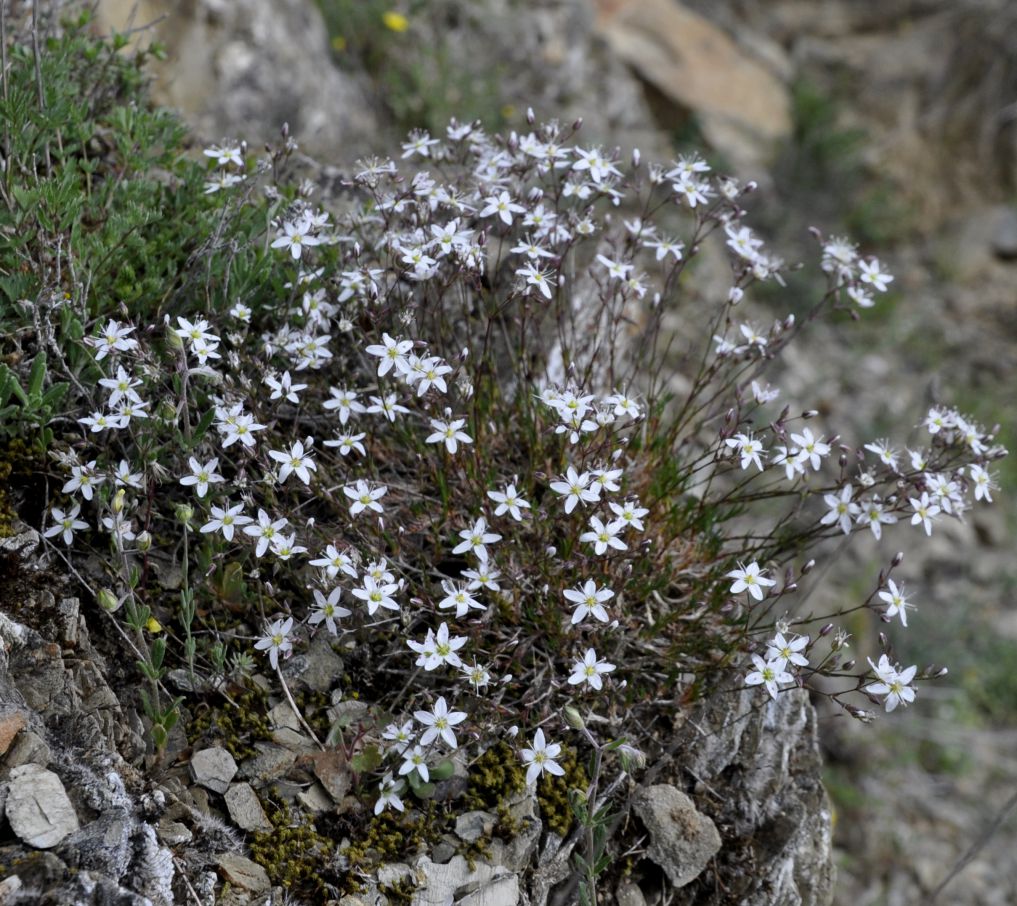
[(144, 541), (108, 601), (826, 630), (174, 340), (898, 558), (184, 512), (632, 759), (573, 718), (808, 567)]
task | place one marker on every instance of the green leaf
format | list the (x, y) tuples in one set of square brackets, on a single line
[(366, 761), (37, 375), (442, 770), (54, 396)]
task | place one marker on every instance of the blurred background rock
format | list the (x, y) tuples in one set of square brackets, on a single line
[(891, 121)]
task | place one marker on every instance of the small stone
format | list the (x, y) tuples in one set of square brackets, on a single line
[(394, 873), (291, 739), (173, 833), (271, 762), (315, 799), (282, 715), (10, 726), (471, 826), (9, 887), (213, 768), (28, 748), (682, 839), (629, 894), (245, 808), (38, 809), (1004, 235), (503, 891), (69, 610), (333, 772), (244, 873)]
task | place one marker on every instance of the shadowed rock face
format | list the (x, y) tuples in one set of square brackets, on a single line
[(241, 68)]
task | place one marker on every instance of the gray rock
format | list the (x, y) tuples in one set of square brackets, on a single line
[(1004, 236), (682, 839), (69, 610), (629, 894), (213, 768), (173, 833), (29, 748), (439, 884), (245, 808), (472, 826), (271, 762), (244, 873), (315, 798), (38, 809), (8, 888), (503, 891)]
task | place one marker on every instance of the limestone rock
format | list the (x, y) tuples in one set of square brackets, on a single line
[(244, 873), (245, 808), (37, 808), (11, 725), (472, 826), (742, 113), (682, 839), (241, 68), (213, 768)]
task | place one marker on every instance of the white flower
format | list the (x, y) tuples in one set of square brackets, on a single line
[(748, 448), (501, 205), (113, 339), (276, 641), (629, 513), (749, 579), (225, 518), (439, 722), (588, 599), (295, 460), (449, 433), (476, 539), (603, 536), (589, 670), (364, 497), (65, 523), (401, 735), (897, 603), (925, 512), (810, 449), (202, 475), (347, 442), (285, 546), (377, 594), (84, 479), (121, 387), (484, 576), (459, 597), (842, 509), (983, 482), (333, 560), (295, 236), (415, 759), (284, 388), (534, 276), (541, 758), (873, 516), (575, 487), (328, 610), (265, 531), (388, 795), (343, 400), (509, 502), (873, 274), (784, 651), (768, 674), (893, 684), (390, 352)]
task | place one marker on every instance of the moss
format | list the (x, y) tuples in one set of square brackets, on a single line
[(234, 728), (494, 778), (553, 792), (17, 460), (292, 853)]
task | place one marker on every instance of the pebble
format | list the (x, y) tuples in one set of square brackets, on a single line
[(38, 809), (213, 768), (244, 873), (245, 808)]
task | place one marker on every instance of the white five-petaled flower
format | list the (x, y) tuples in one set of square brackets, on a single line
[(873, 515), (225, 519), (334, 560), (748, 448), (388, 795), (983, 483), (276, 641), (364, 497), (842, 509), (575, 487), (810, 449), (390, 352), (65, 523), (439, 722), (897, 604), (265, 530), (476, 539), (415, 759), (589, 670), (449, 433), (588, 600), (284, 388), (894, 684), (603, 536), (344, 401), (925, 511), (377, 594), (872, 273), (750, 579), (541, 758), (295, 236), (294, 460), (202, 475), (114, 338), (502, 206), (541, 279), (458, 596), (617, 269), (629, 514), (509, 502), (328, 610), (121, 387), (83, 478), (769, 674), (786, 651)]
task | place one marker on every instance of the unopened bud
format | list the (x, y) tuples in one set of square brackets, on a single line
[(810, 413), (943, 671), (144, 541), (849, 665), (174, 340), (898, 558), (530, 116), (636, 157), (632, 759), (185, 513), (108, 601), (808, 567), (573, 718), (118, 501), (826, 630)]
